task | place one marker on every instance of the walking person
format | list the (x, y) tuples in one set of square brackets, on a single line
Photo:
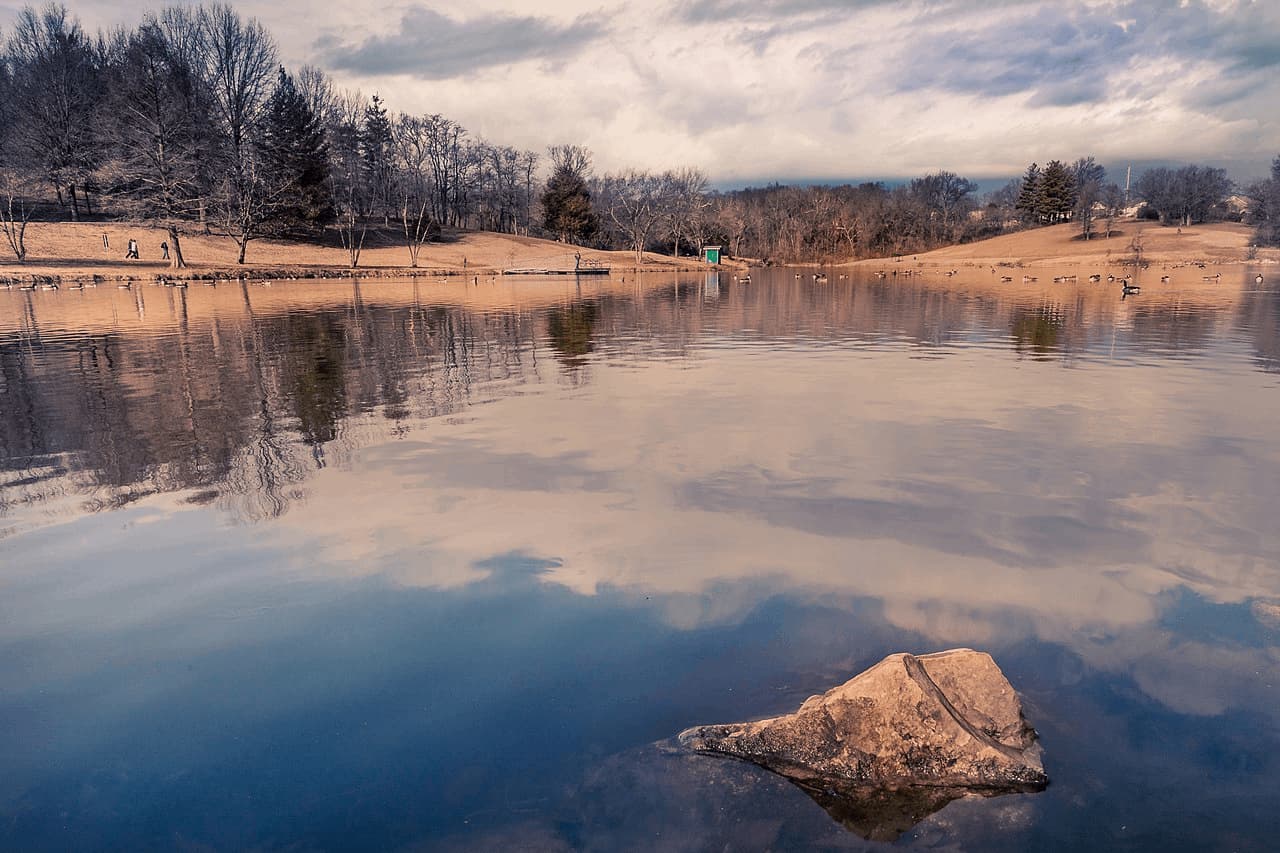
[(132, 253), (164, 251)]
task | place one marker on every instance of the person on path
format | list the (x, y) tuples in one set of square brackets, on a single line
[(132, 254), (164, 251)]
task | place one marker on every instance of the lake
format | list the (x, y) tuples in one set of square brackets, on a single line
[(427, 565)]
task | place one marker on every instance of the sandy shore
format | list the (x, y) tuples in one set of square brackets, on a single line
[(75, 251)]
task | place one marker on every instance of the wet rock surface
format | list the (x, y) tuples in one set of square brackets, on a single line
[(896, 742)]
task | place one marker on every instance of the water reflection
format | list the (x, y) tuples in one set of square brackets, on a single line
[(386, 561)]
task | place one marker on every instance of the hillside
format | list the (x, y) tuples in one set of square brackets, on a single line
[(1059, 245)]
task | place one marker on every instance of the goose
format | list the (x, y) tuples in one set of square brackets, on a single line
[(1110, 277), (1127, 288), (1164, 279), (1217, 277), (1006, 278), (125, 286), (1095, 278), (48, 287), (1258, 279), (27, 287)]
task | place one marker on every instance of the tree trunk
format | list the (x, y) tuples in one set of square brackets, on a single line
[(75, 203), (244, 244), (176, 261)]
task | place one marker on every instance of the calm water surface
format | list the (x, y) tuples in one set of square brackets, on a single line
[(385, 565)]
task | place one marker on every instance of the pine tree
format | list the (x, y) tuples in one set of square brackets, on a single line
[(296, 156), (1028, 203), (566, 205), (1057, 193), (376, 154)]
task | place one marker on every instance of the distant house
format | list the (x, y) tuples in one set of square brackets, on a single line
[(711, 254)]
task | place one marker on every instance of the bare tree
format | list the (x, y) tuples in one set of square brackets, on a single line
[(15, 210), (239, 65), (686, 199), (54, 92), (634, 200), (154, 164), (413, 190)]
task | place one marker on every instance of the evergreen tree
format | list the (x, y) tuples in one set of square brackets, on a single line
[(296, 157), (566, 203), (376, 154), (1028, 203), (1057, 192)]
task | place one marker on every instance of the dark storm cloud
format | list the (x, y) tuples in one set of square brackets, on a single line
[(1062, 56), (1068, 54), (433, 46)]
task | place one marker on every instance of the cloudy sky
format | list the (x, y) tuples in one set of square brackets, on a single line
[(758, 90)]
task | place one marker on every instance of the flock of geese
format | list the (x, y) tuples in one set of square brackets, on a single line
[(1127, 286)]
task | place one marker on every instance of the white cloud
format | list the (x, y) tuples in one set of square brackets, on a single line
[(797, 89)]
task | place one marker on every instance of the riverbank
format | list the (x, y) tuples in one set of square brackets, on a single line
[(78, 252)]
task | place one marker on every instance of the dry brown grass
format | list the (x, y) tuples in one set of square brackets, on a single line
[(71, 250), (1060, 246)]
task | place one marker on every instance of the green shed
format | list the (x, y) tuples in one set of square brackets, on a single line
[(711, 254)]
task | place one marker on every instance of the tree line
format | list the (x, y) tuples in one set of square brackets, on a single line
[(190, 122)]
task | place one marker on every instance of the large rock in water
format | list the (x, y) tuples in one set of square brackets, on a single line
[(949, 720)]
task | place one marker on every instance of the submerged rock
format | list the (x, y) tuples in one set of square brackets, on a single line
[(947, 723)]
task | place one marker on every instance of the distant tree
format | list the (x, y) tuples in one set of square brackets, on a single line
[(412, 189), (685, 201), (634, 200), (1086, 170), (1264, 207), (350, 191), (566, 202), (295, 158), (1113, 202), (152, 169), (1184, 196), (1088, 179), (945, 198)]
